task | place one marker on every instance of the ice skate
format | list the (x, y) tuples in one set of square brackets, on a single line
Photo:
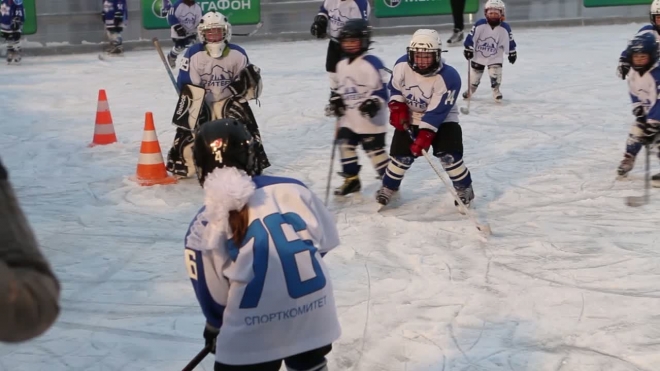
[(384, 195), (655, 180), (351, 185), (626, 165), (497, 95), (456, 37), (466, 195)]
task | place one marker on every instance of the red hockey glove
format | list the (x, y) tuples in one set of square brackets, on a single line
[(422, 142), (399, 115)]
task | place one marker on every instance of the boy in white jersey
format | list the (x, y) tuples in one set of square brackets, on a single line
[(337, 13), (644, 86), (184, 17), (361, 95), (654, 28), (423, 92), (486, 45), (223, 73), (254, 256)]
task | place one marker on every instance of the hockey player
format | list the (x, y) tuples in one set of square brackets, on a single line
[(358, 102), (423, 92), (486, 44), (12, 17), (114, 16), (254, 256), (184, 17), (228, 80), (653, 28), (337, 12), (644, 85)]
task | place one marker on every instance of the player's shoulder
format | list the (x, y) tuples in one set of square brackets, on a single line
[(655, 72), (648, 27), (506, 26), (194, 49), (265, 181), (237, 48), (480, 22), (449, 74), (362, 4), (195, 230), (402, 59), (376, 62)]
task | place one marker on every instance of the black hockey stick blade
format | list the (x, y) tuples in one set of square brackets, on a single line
[(256, 29)]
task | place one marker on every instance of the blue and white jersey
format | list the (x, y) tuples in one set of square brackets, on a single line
[(490, 44), (213, 74), (356, 81), (110, 7), (645, 92), (340, 11), (271, 297), (10, 9), (431, 99), (646, 29), (187, 16)]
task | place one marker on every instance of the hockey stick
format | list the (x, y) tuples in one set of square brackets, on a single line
[(159, 49), (483, 227), (332, 162), (636, 201), (198, 358), (466, 110), (256, 29)]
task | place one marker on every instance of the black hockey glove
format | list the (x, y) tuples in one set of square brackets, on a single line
[(370, 107), (337, 105), (320, 26), (16, 24), (248, 78), (639, 114), (210, 336), (468, 53), (513, 56), (623, 68), (119, 18), (180, 31)]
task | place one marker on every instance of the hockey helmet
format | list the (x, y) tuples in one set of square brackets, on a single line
[(215, 32), (494, 11), (356, 28), (424, 52), (643, 43), (220, 143), (655, 11)]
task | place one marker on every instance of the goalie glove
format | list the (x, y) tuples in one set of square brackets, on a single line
[(370, 107), (248, 78), (623, 68), (180, 31)]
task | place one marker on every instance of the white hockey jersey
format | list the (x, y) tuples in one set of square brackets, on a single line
[(431, 99), (490, 44), (340, 11), (187, 16), (356, 81), (272, 296), (645, 92), (214, 74)]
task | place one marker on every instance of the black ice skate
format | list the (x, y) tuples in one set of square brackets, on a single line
[(655, 180), (466, 195), (456, 37), (626, 165), (384, 195), (351, 185)]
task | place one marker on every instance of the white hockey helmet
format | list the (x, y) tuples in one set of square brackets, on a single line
[(497, 5), (655, 11), (215, 32), (425, 41)]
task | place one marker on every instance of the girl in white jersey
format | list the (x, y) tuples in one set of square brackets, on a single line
[(254, 256)]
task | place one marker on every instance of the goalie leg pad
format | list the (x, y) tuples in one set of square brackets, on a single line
[(347, 141), (495, 73), (179, 158), (374, 146), (239, 109), (189, 108)]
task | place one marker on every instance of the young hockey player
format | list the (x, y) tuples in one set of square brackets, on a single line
[(12, 18), (254, 257), (114, 16), (223, 73), (486, 44), (423, 92), (654, 28), (358, 101), (337, 12), (644, 86), (184, 17)]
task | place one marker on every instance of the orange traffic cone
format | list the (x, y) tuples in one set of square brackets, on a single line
[(104, 130), (151, 168)]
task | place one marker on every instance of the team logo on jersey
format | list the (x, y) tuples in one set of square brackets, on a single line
[(188, 21), (218, 78), (352, 92), (487, 47), (392, 3), (160, 8), (416, 98)]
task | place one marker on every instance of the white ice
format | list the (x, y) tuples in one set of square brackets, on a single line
[(570, 280)]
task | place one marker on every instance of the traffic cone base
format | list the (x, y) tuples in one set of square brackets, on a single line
[(151, 167), (104, 130)]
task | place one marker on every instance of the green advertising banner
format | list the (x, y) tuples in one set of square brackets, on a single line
[(411, 8), (239, 12), (597, 3), (30, 25)]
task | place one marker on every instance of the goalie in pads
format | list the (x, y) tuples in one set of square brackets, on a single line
[(216, 80)]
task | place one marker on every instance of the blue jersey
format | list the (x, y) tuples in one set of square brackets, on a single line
[(431, 99), (11, 10), (270, 295), (110, 8), (645, 29)]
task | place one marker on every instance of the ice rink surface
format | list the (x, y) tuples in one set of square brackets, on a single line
[(569, 281)]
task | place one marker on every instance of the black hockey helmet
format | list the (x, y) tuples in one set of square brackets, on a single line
[(356, 28), (643, 43), (220, 143)]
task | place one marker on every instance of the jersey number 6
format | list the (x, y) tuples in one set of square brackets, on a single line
[(302, 272)]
